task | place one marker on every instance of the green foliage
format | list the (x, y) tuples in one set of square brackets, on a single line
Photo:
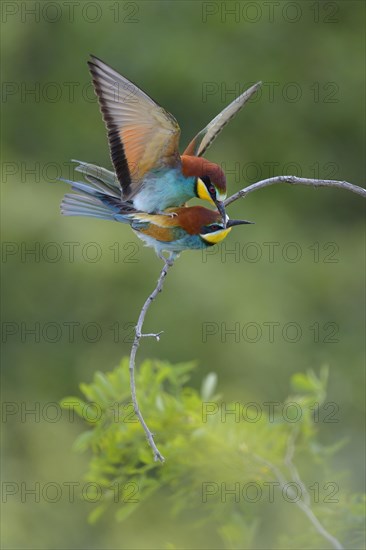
[(221, 458)]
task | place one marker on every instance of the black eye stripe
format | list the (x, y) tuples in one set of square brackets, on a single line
[(209, 186)]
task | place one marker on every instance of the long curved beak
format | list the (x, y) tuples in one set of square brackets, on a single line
[(221, 208), (231, 223)]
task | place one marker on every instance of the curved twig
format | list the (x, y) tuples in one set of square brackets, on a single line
[(138, 335), (300, 502), (288, 460), (294, 180)]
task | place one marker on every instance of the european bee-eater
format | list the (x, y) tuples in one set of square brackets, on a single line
[(175, 230), (144, 140)]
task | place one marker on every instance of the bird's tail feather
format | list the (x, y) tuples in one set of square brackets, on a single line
[(98, 197), (81, 205), (100, 179)]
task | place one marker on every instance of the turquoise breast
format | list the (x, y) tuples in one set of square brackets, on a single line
[(163, 189)]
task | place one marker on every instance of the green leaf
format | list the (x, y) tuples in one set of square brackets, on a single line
[(126, 510), (83, 441), (208, 386), (96, 513)]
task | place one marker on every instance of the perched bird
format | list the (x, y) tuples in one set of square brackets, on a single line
[(192, 227), (144, 139)]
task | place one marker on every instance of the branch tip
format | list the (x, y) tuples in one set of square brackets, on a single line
[(295, 180)]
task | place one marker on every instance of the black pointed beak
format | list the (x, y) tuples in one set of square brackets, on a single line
[(231, 223), (221, 208)]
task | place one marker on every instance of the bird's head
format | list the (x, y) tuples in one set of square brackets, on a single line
[(210, 180), (208, 224)]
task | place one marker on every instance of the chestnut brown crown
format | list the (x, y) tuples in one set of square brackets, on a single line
[(201, 168)]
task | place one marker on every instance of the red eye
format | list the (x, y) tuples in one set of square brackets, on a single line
[(212, 190)]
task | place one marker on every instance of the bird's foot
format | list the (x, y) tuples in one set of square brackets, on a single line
[(169, 214), (170, 259)]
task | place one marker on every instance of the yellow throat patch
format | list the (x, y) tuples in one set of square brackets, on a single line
[(217, 236), (202, 191)]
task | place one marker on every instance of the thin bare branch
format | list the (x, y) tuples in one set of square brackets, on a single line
[(300, 502), (138, 335), (294, 180), (291, 466)]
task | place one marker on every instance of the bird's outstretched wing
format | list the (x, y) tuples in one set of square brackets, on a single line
[(142, 135), (205, 137)]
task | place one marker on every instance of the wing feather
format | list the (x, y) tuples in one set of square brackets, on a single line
[(205, 137), (142, 135)]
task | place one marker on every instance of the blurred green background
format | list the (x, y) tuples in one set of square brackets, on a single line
[(193, 58)]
